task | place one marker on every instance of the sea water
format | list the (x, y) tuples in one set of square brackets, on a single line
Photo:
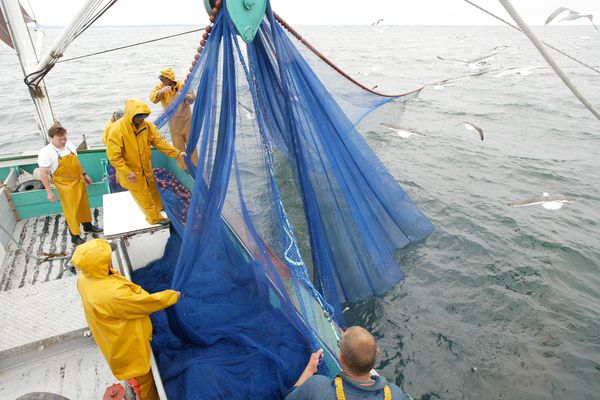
[(498, 302)]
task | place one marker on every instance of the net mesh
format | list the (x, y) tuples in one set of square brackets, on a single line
[(284, 187)]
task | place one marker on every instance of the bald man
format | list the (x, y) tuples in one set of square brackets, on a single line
[(358, 353)]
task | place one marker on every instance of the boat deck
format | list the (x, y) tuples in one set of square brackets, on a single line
[(36, 236), (45, 344)]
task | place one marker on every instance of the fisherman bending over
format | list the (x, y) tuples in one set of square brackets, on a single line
[(59, 159), (129, 147), (358, 353), (117, 312)]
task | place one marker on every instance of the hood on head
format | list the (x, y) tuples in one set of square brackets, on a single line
[(134, 107), (93, 258), (168, 73)]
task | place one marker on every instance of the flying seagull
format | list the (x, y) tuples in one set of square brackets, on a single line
[(404, 133), (555, 13), (476, 63), (548, 201), (473, 128), (377, 23), (570, 16)]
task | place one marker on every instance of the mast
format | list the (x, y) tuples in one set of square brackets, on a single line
[(24, 46), (34, 70)]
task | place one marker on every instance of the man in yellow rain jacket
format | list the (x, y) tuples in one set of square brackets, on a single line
[(129, 143), (59, 160), (117, 311), (181, 122)]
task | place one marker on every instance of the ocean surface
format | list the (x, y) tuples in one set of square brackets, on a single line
[(499, 302)]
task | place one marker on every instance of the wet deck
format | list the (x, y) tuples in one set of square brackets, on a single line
[(36, 236)]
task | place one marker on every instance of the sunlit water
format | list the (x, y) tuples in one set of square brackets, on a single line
[(499, 302)]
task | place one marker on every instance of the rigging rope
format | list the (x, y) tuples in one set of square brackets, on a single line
[(513, 13), (130, 45), (517, 28), (329, 62), (95, 17)]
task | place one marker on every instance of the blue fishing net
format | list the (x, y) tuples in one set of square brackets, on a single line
[(285, 188)]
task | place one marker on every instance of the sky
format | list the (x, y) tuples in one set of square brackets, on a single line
[(320, 12)]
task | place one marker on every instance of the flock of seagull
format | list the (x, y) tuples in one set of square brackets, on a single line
[(546, 200)]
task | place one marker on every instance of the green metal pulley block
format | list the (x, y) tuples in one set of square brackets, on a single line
[(245, 14)]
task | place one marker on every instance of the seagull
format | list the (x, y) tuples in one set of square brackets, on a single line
[(249, 112), (377, 23), (555, 13), (548, 201), (473, 128), (404, 133), (570, 16), (528, 70), (476, 63)]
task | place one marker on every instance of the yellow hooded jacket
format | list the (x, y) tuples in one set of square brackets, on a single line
[(129, 149), (181, 122), (117, 310)]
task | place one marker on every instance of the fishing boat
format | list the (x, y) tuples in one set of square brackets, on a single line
[(50, 350), (47, 348)]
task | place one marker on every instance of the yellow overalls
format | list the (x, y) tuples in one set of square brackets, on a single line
[(340, 395), (69, 183)]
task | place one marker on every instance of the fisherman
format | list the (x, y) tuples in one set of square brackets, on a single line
[(180, 123), (59, 160), (117, 312), (129, 142), (358, 353)]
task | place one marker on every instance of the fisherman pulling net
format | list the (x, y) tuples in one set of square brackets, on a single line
[(277, 156)]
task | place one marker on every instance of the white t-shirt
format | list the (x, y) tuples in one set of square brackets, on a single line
[(48, 155)]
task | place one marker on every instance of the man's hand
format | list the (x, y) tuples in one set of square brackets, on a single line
[(165, 89), (131, 177), (181, 156), (51, 197), (87, 179), (311, 367), (178, 295)]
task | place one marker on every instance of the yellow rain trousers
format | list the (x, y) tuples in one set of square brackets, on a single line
[(69, 183), (129, 150), (181, 122), (117, 312)]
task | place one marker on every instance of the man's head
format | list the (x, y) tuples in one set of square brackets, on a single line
[(93, 258), (136, 111), (358, 351), (167, 77), (116, 115), (58, 135)]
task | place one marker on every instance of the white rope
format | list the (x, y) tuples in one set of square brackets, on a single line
[(519, 21)]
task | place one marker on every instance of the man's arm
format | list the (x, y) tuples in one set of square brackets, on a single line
[(161, 144), (157, 93), (127, 304), (45, 178)]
